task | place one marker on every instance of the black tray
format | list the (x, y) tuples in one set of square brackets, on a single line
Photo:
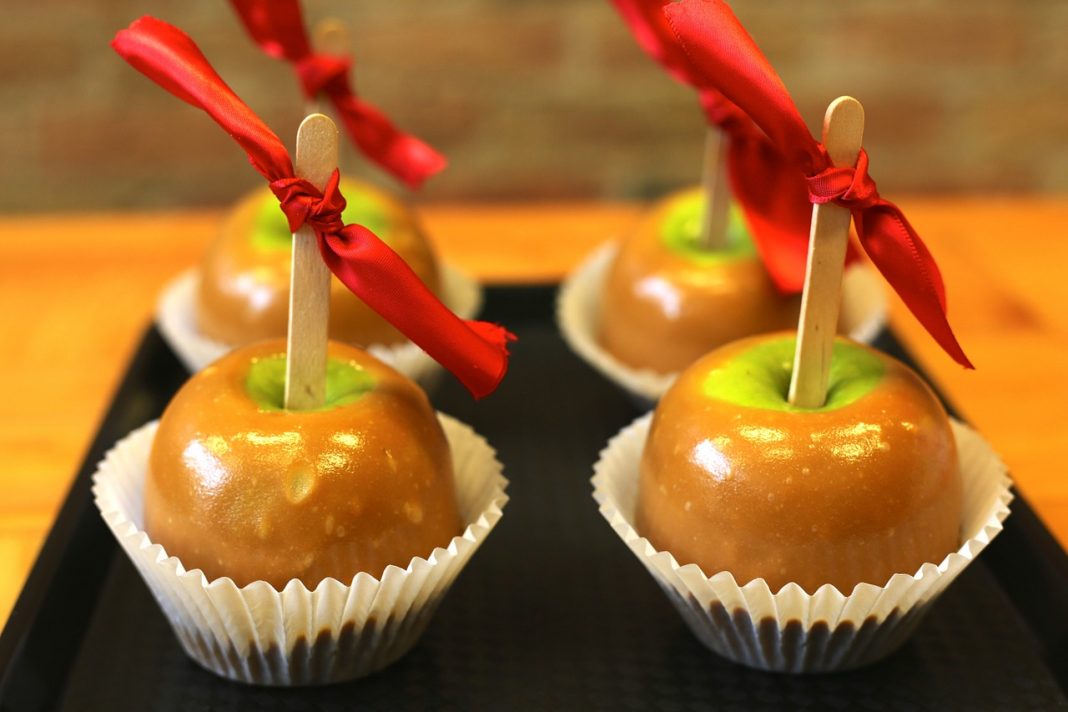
[(552, 613)]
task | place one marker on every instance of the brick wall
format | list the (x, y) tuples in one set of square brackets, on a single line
[(538, 99)]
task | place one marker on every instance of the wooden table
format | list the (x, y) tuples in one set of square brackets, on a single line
[(77, 291)]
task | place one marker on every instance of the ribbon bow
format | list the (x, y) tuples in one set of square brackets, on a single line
[(726, 57), (278, 28), (771, 193), (304, 205), (476, 352), (850, 187)]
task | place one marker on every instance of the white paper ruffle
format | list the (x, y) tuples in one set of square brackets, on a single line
[(791, 630), (340, 630)]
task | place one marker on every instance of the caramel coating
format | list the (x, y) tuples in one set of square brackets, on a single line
[(272, 495), (844, 496), (243, 294), (662, 311)]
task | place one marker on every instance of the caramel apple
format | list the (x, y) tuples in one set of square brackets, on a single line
[(239, 487), (243, 293), (667, 301), (311, 483), (734, 478)]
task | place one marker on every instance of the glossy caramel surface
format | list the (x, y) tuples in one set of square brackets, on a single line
[(252, 493), (841, 496), (243, 294), (662, 309)]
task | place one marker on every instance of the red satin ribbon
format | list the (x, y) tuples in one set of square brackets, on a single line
[(278, 28), (476, 352), (719, 49), (769, 189)]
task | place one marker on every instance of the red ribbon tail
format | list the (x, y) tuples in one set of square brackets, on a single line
[(167, 56), (773, 196), (897, 250), (277, 26), (475, 352), (722, 54), (774, 199), (406, 157), (650, 28), (493, 333)]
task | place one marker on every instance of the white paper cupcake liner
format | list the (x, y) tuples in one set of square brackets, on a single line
[(864, 312), (176, 317), (339, 631), (791, 630)]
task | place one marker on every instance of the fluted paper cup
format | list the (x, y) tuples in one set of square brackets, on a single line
[(578, 310), (341, 630), (176, 317), (791, 630)]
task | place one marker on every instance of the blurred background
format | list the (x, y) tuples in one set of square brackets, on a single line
[(557, 127), (535, 99)]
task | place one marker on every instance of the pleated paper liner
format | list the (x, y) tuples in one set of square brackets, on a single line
[(176, 317), (864, 314), (339, 631), (791, 630)]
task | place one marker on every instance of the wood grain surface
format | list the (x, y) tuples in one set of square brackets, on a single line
[(76, 292)]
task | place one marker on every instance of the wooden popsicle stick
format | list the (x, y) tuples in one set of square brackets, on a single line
[(843, 133), (330, 36), (309, 286), (713, 234)]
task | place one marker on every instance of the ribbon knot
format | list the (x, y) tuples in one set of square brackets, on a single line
[(277, 26), (304, 204), (851, 188), (323, 74)]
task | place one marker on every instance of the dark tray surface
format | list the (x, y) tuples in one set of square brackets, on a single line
[(552, 613)]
